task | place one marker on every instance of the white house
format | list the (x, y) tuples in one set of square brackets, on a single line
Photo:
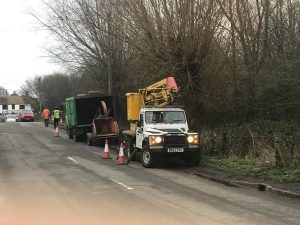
[(14, 104)]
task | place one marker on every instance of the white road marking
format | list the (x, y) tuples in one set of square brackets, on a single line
[(124, 185), (73, 160)]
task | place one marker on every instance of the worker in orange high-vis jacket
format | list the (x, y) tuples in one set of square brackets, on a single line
[(45, 116)]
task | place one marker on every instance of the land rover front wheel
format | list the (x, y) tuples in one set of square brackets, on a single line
[(147, 157)]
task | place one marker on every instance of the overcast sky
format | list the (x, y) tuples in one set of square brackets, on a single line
[(21, 45)]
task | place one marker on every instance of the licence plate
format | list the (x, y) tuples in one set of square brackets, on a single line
[(175, 150)]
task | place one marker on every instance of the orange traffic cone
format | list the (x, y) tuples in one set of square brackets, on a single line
[(106, 154), (121, 158), (56, 133)]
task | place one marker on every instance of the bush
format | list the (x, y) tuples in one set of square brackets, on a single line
[(275, 142)]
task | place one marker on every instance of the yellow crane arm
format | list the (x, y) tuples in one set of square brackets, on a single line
[(161, 93), (157, 95)]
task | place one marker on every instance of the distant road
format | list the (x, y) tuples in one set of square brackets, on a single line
[(54, 181)]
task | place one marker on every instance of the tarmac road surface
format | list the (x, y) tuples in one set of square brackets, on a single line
[(46, 180)]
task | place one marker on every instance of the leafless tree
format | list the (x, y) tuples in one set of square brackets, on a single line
[(228, 56), (51, 90), (3, 91), (85, 36)]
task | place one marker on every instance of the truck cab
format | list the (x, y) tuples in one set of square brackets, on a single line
[(159, 122)]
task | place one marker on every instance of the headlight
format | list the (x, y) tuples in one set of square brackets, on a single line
[(158, 139), (154, 140), (190, 139), (193, 139)]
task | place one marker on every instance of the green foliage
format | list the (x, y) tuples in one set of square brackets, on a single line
[(279, 96), (253, 168)]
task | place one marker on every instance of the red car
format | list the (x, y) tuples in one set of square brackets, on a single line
[(25, 115)]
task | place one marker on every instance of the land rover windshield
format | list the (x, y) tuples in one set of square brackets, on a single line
[(165, 117)]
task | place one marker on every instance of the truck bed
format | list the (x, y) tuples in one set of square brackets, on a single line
[(81, 110), (106, 126)]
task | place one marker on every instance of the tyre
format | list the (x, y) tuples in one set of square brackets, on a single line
[(70, 133), (77, 138), (89, 142), (193, 158), (147, 157), (89, 139)]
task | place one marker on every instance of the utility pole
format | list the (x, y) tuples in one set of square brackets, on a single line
[(109, 63), (109, 68), (40, 83)]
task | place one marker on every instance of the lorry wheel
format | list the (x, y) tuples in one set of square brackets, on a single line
[(89, 139), (147, 157), (76, 138), (70, 133), (193, 158)]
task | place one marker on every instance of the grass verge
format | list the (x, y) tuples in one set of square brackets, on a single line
[(256, 169)]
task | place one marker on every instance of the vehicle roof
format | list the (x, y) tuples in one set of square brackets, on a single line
[(14, 99), (25, 111), (11, 115), (86, 96), (161, 109)]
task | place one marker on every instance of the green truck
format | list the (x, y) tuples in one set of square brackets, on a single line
[(90, 117)]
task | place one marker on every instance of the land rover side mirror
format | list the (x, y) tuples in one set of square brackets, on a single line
[(140, 122)]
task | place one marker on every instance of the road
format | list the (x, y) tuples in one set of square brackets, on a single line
[(49, 180)]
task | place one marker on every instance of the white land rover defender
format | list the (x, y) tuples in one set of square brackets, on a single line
[(162, 133)]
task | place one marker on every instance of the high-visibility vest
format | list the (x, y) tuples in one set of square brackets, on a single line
[(45, 114), (56, 114)]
